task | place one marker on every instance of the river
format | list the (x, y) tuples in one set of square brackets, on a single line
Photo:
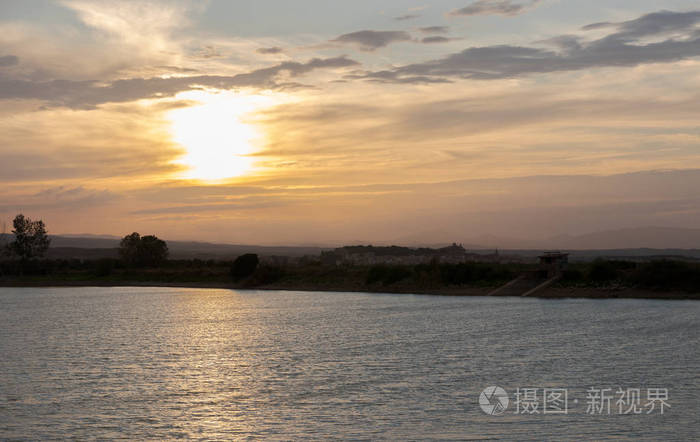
[(162, 363)]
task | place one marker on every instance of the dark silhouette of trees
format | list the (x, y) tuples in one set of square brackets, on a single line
[(387, 274), (129, 248), (244, 266), (146, 251), (30, 238), (153, 251), (602, 271), (4, 250)]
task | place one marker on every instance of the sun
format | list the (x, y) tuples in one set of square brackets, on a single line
[(217, 138)]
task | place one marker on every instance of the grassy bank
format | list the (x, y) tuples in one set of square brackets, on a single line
[(312, 273), (659, 275), (657, 279)]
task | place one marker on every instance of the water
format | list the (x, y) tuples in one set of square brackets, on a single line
[(162, 363)]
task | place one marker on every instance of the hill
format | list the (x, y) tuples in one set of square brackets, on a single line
[(69, 246), (641, 237)]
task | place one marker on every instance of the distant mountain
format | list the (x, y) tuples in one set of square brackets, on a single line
[(91, 242), (431, 239), (88, 235), (642, 241), (632, 238), (99, 246), (193, 249), (642, 237), (74, 246)]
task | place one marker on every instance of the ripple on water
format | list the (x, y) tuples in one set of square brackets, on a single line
[(161, 363)]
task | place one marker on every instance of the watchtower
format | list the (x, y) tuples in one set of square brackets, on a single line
[(553, 263)]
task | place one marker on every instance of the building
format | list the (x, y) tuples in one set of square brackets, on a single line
[(553, 263), (394, 255)]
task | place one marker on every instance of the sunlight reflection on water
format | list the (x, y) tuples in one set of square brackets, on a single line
[(158, 363)]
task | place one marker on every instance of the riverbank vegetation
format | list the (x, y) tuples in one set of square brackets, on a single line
[(144, 260), (662, 275)]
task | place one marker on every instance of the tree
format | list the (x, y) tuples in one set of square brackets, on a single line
[(3, 239), (31, 239), (129, 248), (244, 266), (153, 251), (147, 251)]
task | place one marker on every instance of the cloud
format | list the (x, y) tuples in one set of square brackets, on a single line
[(89, 94), (406, 17), (372, 40), (656, 23), (392, 77), (59, 146), (499, 7), (520, 131), (435, 39), (141, 31), (605, 122), (60, 197), (385, 212), (8, 60), (600, 25), (207, 52), (435, 30), (178, 69), (102, 39), (75, 196), (255, 203), (269, 51), (135, 22), (621, 48)]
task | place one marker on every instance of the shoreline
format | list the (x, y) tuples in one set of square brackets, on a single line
[(550, 293)]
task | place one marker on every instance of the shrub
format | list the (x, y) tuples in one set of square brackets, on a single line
[(244, 266), (466, 273), (387, 275), (572, 275), (670, 275), (268, 275), (602, 271), (104, 267)]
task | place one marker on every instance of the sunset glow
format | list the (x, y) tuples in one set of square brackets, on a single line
[(232, 219), (495, 123), (216, 134)]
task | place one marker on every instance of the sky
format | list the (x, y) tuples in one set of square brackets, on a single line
[(333, 122)]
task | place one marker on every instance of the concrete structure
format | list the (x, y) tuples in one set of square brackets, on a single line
[(553, 263), (531, 282)]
